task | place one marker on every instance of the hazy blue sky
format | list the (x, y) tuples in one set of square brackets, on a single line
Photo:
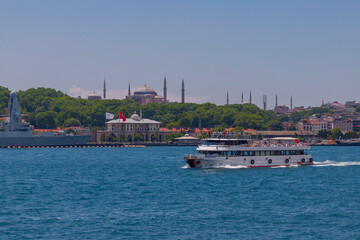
[(307, 49)]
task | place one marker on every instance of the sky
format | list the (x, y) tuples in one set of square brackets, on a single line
[(309, 50)]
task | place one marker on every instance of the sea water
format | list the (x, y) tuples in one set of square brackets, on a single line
[(149, 193)]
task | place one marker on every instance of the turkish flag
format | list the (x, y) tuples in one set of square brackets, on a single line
[(122, 116), (297, 140)]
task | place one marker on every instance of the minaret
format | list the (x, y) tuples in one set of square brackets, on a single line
[(242, 98), (129, 93), (104, 89), (291, 103), (250, 97), (183, 92), (227, 98), (276, 100), (322, 103), (165, 91)]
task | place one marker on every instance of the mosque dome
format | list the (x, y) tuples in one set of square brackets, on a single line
[(145, 90), (135, 117)]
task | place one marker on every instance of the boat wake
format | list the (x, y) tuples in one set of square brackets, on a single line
[(329, 163), (230, 166), (291, 166)]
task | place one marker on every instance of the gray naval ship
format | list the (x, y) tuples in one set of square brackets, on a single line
[(14, 132)]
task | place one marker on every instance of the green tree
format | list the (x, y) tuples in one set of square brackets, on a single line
[(46, 120), (275, 125), (72, 122), (284, 118), (351, 134), (335, 134), (173, 135), (322, 134)]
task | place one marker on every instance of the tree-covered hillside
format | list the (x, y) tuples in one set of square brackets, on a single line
[(48, 108)]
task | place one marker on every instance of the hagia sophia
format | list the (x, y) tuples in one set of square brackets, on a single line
[(145, 94)]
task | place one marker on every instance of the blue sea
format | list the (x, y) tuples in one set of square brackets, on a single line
[(149, 193)]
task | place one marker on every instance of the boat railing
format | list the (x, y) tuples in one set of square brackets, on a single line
[(228, 136), (194, 156), (259, 144)]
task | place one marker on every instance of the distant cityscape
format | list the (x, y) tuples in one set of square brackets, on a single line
[(346, 116)]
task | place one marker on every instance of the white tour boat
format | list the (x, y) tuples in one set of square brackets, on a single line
[(239, 150)]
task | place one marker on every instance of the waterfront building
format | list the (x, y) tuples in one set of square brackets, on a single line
[(356, 125), (344, 126), (312, 126), (134, 129)]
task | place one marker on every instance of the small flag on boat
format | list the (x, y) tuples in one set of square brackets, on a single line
[(109, 115), (122, 116)]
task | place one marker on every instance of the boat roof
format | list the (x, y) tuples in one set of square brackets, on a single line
[(283, 138), (187, 138)]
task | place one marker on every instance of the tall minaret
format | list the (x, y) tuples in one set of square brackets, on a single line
[(291, 103), (276, 100), (129, 93), (183, 92), (165, 91), (250, 97), (227, 98), (104, 89), (242, 97)]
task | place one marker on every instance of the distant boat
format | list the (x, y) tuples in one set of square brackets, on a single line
[(15, 132), (187, 141), (349, 142)]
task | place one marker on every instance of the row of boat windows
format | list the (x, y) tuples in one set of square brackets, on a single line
[(254, 153), (235, 143)]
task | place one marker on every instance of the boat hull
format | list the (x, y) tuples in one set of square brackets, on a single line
[(44, 141), (253, 162)]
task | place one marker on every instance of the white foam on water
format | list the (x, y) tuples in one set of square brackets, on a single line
[(329, 163), (232, 167), (186, 166), (291, 166)]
